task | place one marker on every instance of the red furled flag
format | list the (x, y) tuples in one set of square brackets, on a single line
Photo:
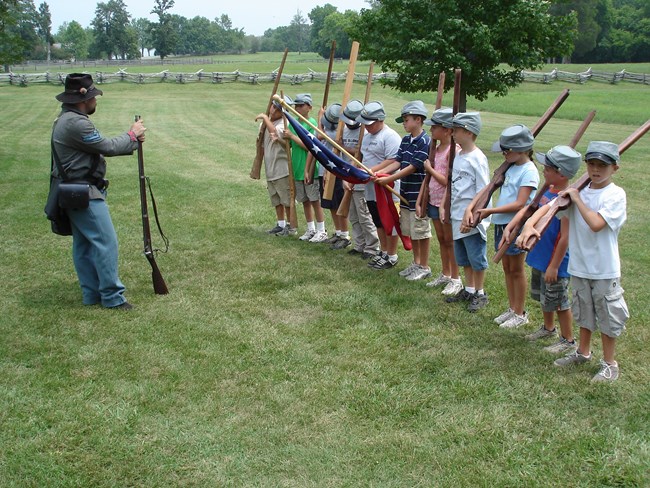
[(388, 214)]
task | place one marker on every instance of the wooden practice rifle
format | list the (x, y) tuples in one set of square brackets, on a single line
[(525, 213), (159, 285), (293, 216), (423, 197), (446, 201), (259, 145), (483, 197), (563, 202)]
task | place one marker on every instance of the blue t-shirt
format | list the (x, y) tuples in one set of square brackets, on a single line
[(518, 175), (541, 254), (413, 151)]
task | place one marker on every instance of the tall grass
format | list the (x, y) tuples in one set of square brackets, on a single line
[(278, 363)]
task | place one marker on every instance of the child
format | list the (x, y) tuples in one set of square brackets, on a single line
[(307, 186), (595, 218), (469, 175), (380, 143), (520, 183), (549, 280), (328, 123), (276, 166), (441, 128), (408, 167)]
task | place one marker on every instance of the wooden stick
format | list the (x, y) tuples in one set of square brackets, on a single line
[(293, 216), (344, 206), (563, 202), (446, 200), (328, 191), (525, 213), (423, 197), (259, 155), (326, 93), (333, 142)]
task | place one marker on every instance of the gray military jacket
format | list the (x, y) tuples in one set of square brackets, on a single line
[(78, 143)]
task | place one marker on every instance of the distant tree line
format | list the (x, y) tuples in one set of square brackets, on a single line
[(604, 30)]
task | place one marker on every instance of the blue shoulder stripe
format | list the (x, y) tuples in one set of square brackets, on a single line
[(91, 138)]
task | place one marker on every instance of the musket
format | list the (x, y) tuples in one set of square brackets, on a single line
[(344, 206), (328, 191), (293, 216), (423, 197), (446, 201), (563, 202), (159, 285), (483, 197), (525, 213), (259, 154)]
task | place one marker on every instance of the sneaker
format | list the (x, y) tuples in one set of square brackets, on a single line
[(307, 235), (409, 269), (342, 243), (541, 333), (419, 274), (461, 296), (504, 316), (477, 302), (608, 372), (574, 358), (440, 280), (355, 252), (384, 263), (377, 257), (333, 239), (562, 346), (122, 306), (292, 231), (369, 255), (515, 321), (453, 287), (319, 237), (275, 230)]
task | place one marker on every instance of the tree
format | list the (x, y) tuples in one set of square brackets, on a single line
[(18, 36), (142, 28), (74, 40), (490, 40), (336, 28), (113, 35), (299, 32), (163, 33), (44, 27), (317, 17)]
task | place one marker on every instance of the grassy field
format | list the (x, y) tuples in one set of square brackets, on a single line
[(278, 363)]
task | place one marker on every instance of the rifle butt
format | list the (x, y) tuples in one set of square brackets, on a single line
[(344, 206), (256, 170), (159, 285)]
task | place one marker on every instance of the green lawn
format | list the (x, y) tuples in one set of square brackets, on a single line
[(278, 363)]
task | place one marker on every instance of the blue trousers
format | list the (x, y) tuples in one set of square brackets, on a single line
[(94, 252)]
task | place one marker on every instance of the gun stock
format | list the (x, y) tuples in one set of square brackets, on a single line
[(256, 170), (498, 177), (446, 201)]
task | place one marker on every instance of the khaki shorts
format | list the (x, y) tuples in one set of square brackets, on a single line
[(309, 193), (412, 225), (279, 192), (599, 304)]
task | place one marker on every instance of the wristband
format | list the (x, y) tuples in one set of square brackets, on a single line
[(132, 136)]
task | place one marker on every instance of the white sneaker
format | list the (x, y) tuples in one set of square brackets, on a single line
[(504, 316), (515, 321), (409, 269), (453, 287), (319, 237), (307, 235), (562, 346), (419, 273), (440, 280)]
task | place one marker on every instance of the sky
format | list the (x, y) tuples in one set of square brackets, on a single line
[(254, 16)]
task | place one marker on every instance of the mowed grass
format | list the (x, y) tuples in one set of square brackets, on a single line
[(278, 363)]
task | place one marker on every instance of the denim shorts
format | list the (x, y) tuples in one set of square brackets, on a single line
[(599, 304), (553, 297), (498, 234), (433, 212), (471, 251)]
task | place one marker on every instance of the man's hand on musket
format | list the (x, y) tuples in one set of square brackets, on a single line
[(138, 130)]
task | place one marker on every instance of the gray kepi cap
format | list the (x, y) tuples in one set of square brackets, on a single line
[(371, 113), (443, 117), (352, 111), (303, 99), (565, 159), (415, 107), (517, 138), (330, 118), (604, 151), (470, 121)]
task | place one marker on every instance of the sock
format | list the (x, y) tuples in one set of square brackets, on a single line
[(320, 226), (480, 292), (445, 276), (311, 226), (345, 234), (392, 258), (456, 280), (337, 233), (282, 223), (470, 289)]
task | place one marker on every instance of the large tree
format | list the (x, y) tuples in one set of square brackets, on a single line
[(18, 36), (114, 36), (164, 32), (74, 40), (44, 27), (317, 17), (490, 40)]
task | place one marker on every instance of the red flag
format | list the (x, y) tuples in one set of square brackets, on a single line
[(388, 213)]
